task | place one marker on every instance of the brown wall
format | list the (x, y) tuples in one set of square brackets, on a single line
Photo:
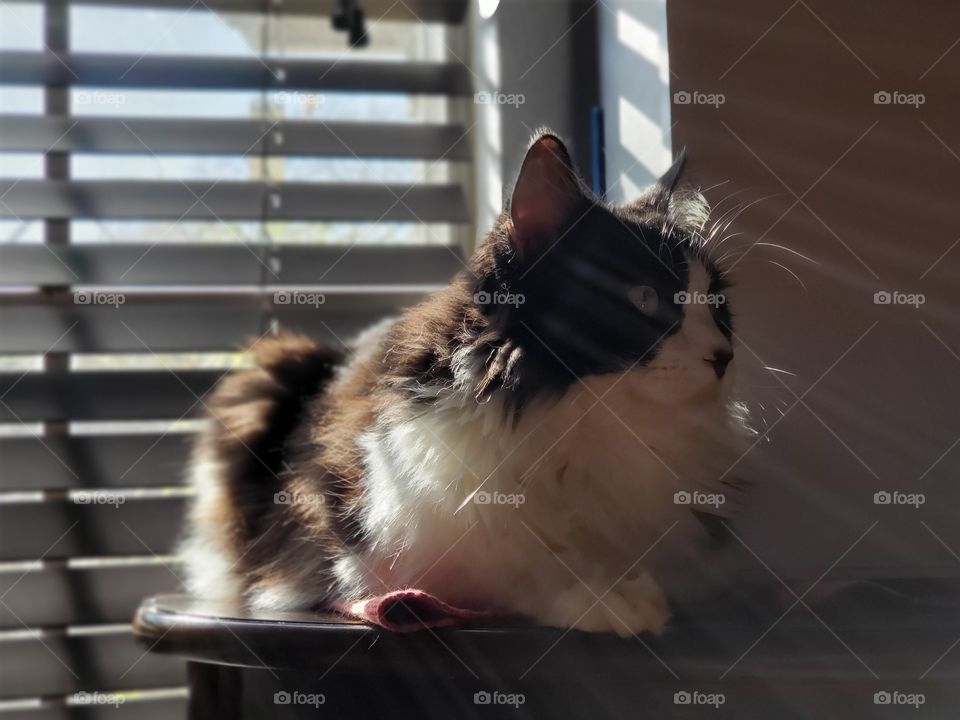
[(880, 210)]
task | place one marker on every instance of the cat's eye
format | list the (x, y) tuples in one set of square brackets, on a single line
[(645, 298)]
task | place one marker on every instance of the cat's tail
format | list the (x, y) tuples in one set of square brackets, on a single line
[(238, 461)]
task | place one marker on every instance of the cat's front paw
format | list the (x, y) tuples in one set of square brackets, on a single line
[(629, 608)]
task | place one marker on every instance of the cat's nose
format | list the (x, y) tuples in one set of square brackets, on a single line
[(719, 360)]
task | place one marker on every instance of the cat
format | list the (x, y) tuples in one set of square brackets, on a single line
[(547, 436)]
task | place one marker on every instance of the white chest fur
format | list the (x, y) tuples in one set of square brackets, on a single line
[(462, 500)]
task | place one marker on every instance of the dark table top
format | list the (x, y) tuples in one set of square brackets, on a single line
[(868, 630)]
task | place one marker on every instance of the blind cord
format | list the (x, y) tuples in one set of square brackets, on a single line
[(269, 257)]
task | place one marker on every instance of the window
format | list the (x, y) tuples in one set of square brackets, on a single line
[(167, 175)]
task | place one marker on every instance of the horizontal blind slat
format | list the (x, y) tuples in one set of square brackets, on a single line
[(119, 395), (199, 265), (177, 326), (72, 461), (136, 708), (219, 73), (446, 11), (63, 528), (211, 323), (55, 596), (31, 667), (232, 137), (230, 200)]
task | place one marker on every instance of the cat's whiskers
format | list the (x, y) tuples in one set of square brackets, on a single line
[(713, 217), (715, 208), (730, 251), (704, 191), (779, 370), (399, 552), (785, 268), (727, 219), (759, 387), (729, 254), (727, 237), (719, 224), (786, 249)]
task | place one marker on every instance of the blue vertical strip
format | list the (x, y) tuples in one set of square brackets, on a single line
[(599, 150)]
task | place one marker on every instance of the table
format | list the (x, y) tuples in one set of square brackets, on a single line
[(843, 658)]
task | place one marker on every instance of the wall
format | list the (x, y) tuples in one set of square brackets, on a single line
[(635, 92), (861, 197), (535, 64)]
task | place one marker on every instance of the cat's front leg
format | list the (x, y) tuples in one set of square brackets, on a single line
[(629, 607)]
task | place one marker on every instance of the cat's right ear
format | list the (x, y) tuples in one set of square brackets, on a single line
[(658, 194), (545, 196)]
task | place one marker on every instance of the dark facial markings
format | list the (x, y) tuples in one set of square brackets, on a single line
[(573, 287), (722, 315), (603, 297)]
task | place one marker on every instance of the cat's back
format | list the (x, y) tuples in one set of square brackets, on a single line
[(239, 457)]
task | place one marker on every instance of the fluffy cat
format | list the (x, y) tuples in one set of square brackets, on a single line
[(549, 435)]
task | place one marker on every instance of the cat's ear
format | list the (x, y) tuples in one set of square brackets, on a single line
[(669, 180), (546, 193), (659, 193)]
